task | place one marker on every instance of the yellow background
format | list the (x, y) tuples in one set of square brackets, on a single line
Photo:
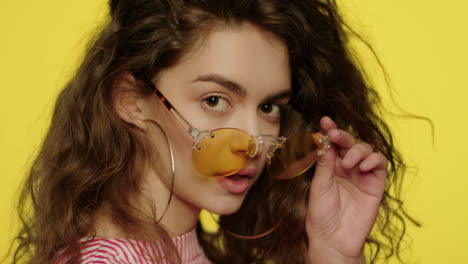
[(423, 44)]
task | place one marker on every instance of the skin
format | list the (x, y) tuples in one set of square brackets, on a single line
[(345, 194), (349, 180), (225, 54)]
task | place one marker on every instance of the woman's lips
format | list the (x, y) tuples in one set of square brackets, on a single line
[(238, 183), (249, 172)]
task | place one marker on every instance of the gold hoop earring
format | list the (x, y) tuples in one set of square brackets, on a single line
[(172, 177), (172, 160)]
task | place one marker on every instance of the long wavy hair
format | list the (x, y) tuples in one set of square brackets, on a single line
[(89, 153)]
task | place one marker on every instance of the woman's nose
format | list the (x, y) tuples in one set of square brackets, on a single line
[(243, 144), (243, 140), (247, 121), (222, 153)]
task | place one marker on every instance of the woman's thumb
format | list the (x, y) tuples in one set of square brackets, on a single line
[(324, 171)]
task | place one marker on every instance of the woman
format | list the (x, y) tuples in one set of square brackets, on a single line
[(126, 168)]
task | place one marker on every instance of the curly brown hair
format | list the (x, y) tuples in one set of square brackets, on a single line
[(88, 154)]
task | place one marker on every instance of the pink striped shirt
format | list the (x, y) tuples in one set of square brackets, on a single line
[(129, 251)]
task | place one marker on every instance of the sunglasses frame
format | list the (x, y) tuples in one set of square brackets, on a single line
[(255, 140), (198, 135)]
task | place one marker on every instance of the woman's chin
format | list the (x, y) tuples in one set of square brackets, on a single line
[(225, 206)]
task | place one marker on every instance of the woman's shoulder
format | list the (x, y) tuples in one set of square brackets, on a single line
[(97, 250), (130, 251)]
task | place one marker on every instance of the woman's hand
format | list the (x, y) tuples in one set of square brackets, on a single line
[(345, 194)]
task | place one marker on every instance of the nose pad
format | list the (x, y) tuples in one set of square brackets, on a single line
[(254, 148), (251, 148)]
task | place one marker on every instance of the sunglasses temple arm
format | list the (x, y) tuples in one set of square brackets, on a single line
[(169, 106)]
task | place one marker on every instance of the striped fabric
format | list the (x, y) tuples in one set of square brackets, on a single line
[(129, 251)]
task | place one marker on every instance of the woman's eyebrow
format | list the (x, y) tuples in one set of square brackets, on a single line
[(279, 95), (237, 88), (226, 83)]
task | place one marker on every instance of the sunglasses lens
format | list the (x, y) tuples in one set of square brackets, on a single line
[(296, 155), (223, 152)]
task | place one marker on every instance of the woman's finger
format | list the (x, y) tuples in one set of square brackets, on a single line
[(324, 174), (356, 154), (341, 138), (326, 124), (375, 161)]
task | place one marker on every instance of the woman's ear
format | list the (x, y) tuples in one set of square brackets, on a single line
[(131, 101)]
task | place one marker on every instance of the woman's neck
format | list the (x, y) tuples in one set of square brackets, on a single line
[(178, 217)]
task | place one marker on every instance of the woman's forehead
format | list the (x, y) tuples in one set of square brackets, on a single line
[(245, 55)]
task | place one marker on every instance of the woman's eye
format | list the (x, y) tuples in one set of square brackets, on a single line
[(270, 109), (216, 103)]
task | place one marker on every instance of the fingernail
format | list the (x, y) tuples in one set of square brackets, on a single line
[(364, 165), (334, 133)]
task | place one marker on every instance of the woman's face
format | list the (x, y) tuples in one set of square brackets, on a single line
[(238, 78)]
